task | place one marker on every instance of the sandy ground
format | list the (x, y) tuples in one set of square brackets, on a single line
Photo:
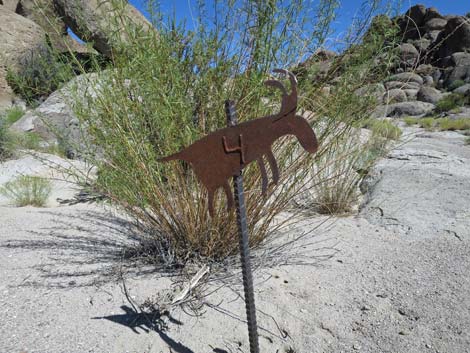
[(398, 280)]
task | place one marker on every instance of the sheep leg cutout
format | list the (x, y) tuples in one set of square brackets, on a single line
[(264, 175), (210, 198), (229, 195), (273, 165)]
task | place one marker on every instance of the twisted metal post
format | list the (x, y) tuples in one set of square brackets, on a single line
[(244, 244)]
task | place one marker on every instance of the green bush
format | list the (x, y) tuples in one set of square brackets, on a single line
[(456, 84), (386, 129), (410, 120), (167, 90), (27, 190), (452, 101), (12, 115), (38, 74), (5, 150), (447, 124)]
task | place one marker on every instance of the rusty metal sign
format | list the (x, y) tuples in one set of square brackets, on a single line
[(223, 154)]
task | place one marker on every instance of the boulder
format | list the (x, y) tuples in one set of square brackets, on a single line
[(432, 35), (408, 77), (431, 13), (421, 44), (376, 91), (55, 121), (428, 80), (411, 94), (429, 95), (394, 96), (101, 23), (457, 74), (417, 14), (460, 59), (43, 13), (9, 4), (410, 24), (6, 93), (465, 89), (402, 85), (409, 55), (425, 69), (455, 37), (435, 24), (409, 109), (19, 37)]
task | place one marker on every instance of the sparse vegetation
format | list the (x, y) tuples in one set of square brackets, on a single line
[(446, 124), (39, 74), (443, 124), (27, 190), (452, 101), (383, 129), (456, 84), (12, 115)]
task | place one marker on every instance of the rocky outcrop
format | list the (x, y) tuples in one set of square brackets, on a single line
[(18, 38), (429, 95), (455, 37), (55, 121), (98, 22), (409, 109), (9, 4)]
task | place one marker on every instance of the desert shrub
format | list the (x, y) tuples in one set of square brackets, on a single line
[(39, 73), (12, 115), (410, 120), (447, 124), (27, 190), (5, 150), (7, 118), (456, 84), (452, 101), (427, 123), (167, 90), (386, 129)]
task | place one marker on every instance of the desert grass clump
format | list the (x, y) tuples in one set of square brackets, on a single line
[(452, 101), (455, 84), (446, 124), (27, 190), (38, 74), (384, 129), (166, 90), (5, 150)]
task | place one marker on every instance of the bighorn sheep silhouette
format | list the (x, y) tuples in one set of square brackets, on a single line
[(224, 153)]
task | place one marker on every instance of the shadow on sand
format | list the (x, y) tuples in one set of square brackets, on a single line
[(147, 322), (80, 248)]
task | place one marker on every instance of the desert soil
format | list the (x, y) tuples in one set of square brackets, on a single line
[(397, 280)]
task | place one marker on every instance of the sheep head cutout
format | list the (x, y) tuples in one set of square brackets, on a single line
[(222, 154)]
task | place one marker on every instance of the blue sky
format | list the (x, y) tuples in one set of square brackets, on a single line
[(346, 12)]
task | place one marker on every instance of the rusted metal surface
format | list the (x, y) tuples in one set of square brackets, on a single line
[(222, 154)]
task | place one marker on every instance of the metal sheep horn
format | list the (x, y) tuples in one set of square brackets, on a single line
[(223, 153)]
